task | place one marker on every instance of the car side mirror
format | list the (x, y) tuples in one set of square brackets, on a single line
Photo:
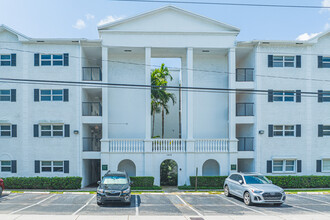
[(240, 182), (98, 182)]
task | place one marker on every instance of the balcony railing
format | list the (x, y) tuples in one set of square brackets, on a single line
[(211, 145), (126, 145), (91, 109), (168, 145), (91, 144), (244, 109), (92, 74), (244, 75), (245, 143)]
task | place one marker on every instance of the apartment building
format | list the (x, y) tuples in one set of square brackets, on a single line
[(70, 108)]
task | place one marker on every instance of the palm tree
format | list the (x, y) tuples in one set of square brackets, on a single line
[(155, 108), (164, 99)]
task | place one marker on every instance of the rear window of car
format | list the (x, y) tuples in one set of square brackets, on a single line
[(256, 180), (114, 180)]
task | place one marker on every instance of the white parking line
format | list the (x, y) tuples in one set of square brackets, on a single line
[(307, 209), (317, 200), (75, 213), (244, 206), (189, 206), (136, 206), (32, 205)]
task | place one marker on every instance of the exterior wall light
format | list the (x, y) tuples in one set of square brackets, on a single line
[(261, 131), (76, 132)]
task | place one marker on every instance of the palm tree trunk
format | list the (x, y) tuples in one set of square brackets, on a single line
[(153, 124), (163, 122)]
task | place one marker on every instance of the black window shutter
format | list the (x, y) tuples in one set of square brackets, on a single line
[(66, 166), (66, 59), (298, 95), (270, 95), (66, 95), (298, 130), (270, 60), (270, 130), (298, 61), (35, 130), (14, 166), (13, 95), (298, 166), (37, 166), (320, 61), (36, 95), (318, 166), (269, 166), (320, 130), (66, 130), (13, 59), (14, 130), (36, 59), (320, 95)]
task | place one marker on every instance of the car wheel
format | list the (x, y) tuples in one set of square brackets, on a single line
[(277, 204), (247, 199), (0, 191), (226, 191)]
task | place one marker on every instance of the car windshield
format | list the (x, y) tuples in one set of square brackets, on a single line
[(256, 180), (114, 180)]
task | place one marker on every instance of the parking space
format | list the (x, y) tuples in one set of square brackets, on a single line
[(148, 204)]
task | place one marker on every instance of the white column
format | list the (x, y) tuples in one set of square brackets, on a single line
[(232, 110), (190, 95)]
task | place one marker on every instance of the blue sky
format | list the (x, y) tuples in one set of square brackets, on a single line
[(73, 18)]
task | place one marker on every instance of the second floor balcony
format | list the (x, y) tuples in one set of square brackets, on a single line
[(244, 75), (91, 74), (245, 144), (91, 144), (244, 109), (91, 109)]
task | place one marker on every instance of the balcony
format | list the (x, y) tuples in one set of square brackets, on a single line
[(244, 75), (91, 144), (91, 109), (126, 145), (211, 145), (244, 109), (92, 74), (245, 144), (168, 145)]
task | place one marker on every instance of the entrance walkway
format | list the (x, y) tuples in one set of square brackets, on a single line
[(170, 189)]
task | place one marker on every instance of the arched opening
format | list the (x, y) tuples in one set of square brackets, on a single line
[(168, 173), (211, 168), (128, 166)]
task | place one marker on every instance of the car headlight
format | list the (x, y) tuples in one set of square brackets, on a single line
[(257, 191), (100, 190), (128, 190)]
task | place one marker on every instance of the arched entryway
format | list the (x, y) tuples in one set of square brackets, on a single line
[(168, 173), (128, 166), (211, 168)]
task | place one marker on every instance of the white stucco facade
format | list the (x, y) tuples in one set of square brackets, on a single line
[(97, 120)]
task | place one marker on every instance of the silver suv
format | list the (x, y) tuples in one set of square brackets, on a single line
[(253, 188)]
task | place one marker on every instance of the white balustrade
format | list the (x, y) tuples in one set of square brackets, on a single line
[(168, 145), (211, 145), (126, 145)]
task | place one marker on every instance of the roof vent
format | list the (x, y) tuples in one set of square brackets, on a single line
[(127, 51), (205, 51), (40, 41), (265, 43)]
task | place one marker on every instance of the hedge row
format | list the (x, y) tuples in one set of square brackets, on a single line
[(42, 182), (142, 181), (282, 181)]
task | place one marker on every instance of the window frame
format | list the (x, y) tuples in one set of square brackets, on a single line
[(326, 130), (52, 94), (322, 167), (326, 62), (326, 96), (285, 165), (2, 95), (5, 60), (5, 130), (284, 130), (51, 130), (284, 95), (52, 61), (284, 61), (52, 167), (6, 166)]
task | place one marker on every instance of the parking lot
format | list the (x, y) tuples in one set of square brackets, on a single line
[(172, 206)]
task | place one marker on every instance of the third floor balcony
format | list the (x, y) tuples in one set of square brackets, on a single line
[(91, 74)]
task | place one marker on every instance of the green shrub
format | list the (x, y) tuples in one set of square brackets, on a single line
[(42, 182), (301, 181), (142, 181), (208, 181)]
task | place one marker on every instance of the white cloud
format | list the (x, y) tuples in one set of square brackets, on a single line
[(89, 17), (80, 24), (325, 3), (109, 19), (306, 36)]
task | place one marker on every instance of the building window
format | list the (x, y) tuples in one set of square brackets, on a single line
[(51, 130), (325, 96), (284, 165), (326, 165), (284, 96), (5, 95), (52, 166), (324, 62), (326, 130), (5, 166), (283, 61), (5, 131), (284, 130), (5, 60), (51, 59), (51, 95)]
